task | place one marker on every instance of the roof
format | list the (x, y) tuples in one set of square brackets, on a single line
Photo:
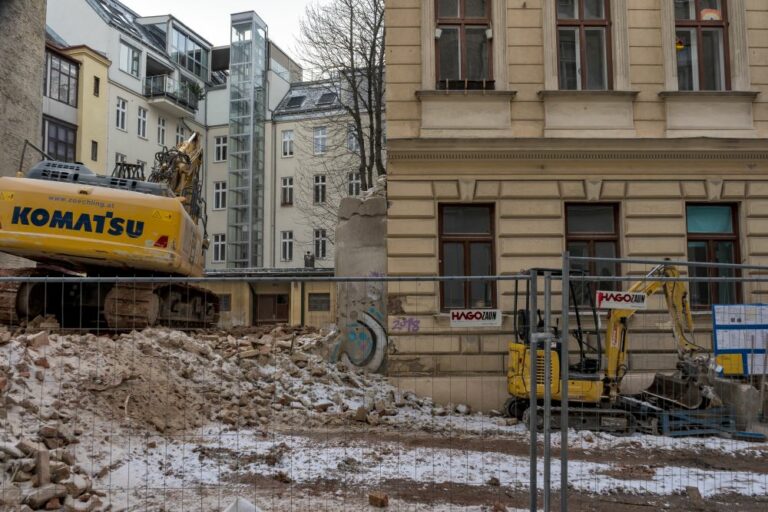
[(305, 99), (52, 37)]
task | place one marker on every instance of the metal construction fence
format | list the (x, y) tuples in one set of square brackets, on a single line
[(416, 393)]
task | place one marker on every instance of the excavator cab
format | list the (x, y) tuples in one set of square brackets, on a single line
[(586, 373)]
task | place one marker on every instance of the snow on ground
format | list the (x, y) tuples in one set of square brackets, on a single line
[(227, 457)]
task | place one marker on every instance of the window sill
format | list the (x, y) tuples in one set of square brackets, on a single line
[(722, 114), (286, 204), (287, 156), (588, 114), (482, 113), (218, 209)]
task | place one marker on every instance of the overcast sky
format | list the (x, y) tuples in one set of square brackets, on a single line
[(210, 18)]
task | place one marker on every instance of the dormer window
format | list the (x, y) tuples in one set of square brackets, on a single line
[(326, 99), (296, 102)]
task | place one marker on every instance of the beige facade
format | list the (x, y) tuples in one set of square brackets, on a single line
[(529, 150)]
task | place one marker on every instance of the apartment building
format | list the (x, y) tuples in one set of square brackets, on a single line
[(75, 103), (519, 129), (313, 152), (155, 84)]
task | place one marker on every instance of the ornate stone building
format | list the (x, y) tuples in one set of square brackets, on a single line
[(631, 128)]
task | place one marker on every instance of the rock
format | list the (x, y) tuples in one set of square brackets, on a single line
[(37, 498), (30, 447), (77, 485), (5, 337), (11, 450), (499, 507), (9, 495), (463, 409), (323, 406), (43, 468), (300, 359), (378, 499), (37, 340), (241, 505), (493, 481), (49, 431), (297, 405), (59, 472), (247, 354), (373, 419), (439, 411), (53, 504), (42, 362), (361, 415), (282, 476)]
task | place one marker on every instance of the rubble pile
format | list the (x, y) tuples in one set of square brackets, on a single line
[(64, 397)]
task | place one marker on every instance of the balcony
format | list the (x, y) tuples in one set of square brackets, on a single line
[(170, 96)]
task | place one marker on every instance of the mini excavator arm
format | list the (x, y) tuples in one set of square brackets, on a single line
[(678, 306)]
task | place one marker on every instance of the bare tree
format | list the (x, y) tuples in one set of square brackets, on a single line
[(343, 42)]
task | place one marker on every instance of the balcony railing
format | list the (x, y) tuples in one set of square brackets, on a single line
[(165, 86)]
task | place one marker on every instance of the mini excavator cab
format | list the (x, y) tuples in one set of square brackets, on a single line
[(585, 383)]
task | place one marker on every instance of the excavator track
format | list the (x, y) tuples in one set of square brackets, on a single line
[(123, 306), (131, 306), (141, 305)]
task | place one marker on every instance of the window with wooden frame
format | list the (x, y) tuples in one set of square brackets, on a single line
[(592, 231), (466, 249), (584, 45), (463, 44), (713, 237), (701, 45)]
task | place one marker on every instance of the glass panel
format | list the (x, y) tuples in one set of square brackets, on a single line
[(450, 54), (606, 268), (567, 9), (711, 10), (477, 54), (726, 291), (687, 62), (590, 219), (448, 8), (594, 9), (712, 76), (453, 265), (710, 219), (480, 264), (685, 10), (568, 41), (580, 288), (697, 251), (466, 220), (475, 8), (597, 74)]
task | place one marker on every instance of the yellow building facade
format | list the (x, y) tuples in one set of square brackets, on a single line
[(93, 107), (628, 128)]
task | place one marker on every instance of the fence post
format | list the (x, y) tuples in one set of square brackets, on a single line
[(532, 407), (547, 338), (566, 295)]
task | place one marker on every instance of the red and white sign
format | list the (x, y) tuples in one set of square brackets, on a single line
[(621, 300), (475, 318)]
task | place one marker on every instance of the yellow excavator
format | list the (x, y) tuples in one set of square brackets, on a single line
[(595, 394), (74, 222)]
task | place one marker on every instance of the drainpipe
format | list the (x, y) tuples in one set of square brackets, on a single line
[(274, 189)]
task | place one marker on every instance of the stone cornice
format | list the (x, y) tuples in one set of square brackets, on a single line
[(576, 149)]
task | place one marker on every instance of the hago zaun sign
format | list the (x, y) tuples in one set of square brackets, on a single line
[(621, 300), (475, 318)]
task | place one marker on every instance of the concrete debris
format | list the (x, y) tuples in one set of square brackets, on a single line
[(164, 382), (378, 499), (242, 505)]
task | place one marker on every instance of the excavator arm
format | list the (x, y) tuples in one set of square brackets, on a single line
[(180, 168), (678, 306)]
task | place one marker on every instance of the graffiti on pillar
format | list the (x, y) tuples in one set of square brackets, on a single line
[(406, 324)]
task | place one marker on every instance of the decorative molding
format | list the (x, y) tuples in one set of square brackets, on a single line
[(620, 39), (477, 95), (739, 46), (436, 155), (668, 45), (588, 94), (549, 18), (710, 94), (499, 23), (428, 78)]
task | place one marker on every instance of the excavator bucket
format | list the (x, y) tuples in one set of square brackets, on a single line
[(671, 391)]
